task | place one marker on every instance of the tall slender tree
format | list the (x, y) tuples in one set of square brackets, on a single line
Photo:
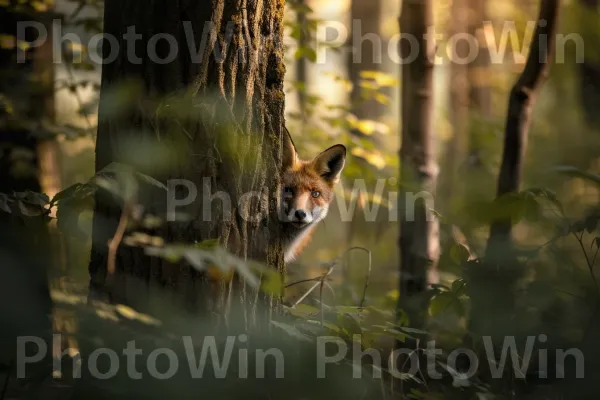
[(301, 62), (25, 99), (458, 107), (589, 69), (518, 120), (365, 18), (419, 236), (479, 70)]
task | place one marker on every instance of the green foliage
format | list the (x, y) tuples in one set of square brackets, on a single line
[(12, 112)]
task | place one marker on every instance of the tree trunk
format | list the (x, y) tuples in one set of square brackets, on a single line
[(589, 69), (518, 120), (479, 75), (458, 108), (368, 56), (493, 282), (419, 240), (479, 70), (24, 241), (301, 62), (219, 118)]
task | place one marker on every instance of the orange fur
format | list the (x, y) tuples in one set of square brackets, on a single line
[(308, 189)]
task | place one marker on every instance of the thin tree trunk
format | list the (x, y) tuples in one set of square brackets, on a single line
[(479, 75), (24, 241), (368, 56), (492, 283), (458, 108), (589, 69), (301, 64), (419, 240), (479, 70), (226, 132), (518, 120)]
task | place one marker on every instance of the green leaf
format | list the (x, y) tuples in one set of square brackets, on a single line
[(441, 303), (458, 286), (413, 330), (66, 193), (70, 208), (271, 282), (4, 206), (30, 210), (207, 244), (577, 226), (591, 222), (34, 198), (546, 194), (459, 253), (332, 327), (303, 311), (306, 52), (292, 331)]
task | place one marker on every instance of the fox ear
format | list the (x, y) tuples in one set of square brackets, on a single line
[(290, 156), (329, 164)]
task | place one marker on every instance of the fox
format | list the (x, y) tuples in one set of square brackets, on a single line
[(307, 192)]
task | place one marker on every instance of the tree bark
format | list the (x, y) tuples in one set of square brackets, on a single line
[(301, 63), (367, 56), (224, 130), (419, 240), (492, 283), (458, 108), (470, 98), (479, 70), (589, 69), (518, 120), (24, 240)]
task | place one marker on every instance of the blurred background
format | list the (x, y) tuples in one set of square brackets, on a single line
[(332, 99)]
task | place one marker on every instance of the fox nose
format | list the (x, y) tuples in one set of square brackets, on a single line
[(300, 215)]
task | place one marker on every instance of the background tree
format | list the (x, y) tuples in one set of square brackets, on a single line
[(590, 67), (419, 240), (518, 120), (368, 55), (26, 104), (480, 100), (493, 282), (458, 106)]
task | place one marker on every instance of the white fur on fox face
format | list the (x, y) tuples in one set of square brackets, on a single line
[(315, 215)]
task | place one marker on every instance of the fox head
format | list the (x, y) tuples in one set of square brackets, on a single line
[(308, 185)]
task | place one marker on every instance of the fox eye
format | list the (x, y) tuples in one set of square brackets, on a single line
[(288, 190), (315, 194)]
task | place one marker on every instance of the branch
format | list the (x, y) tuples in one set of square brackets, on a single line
[(113, 244)]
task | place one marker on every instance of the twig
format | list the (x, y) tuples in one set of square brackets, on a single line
[(368, 277), (330, 288), (113, 244), (320, 281), (540, 247), (302, 281), (321, 303), (313, 287), (590, 263), (595, 255)]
